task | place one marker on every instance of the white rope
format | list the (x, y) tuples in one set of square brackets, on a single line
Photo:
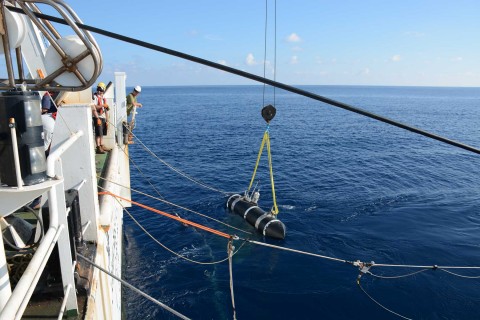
[(378, 303), (230, 249), (128, 285), (397, 277), (186, 176), (176, 205), (357, 263), (298, 251), (59, 113), (424, 267), (460, 275), (164, 246), (146, 178)]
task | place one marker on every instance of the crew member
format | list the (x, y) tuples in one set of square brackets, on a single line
[(100, 117), (131, 103), (47, 102)]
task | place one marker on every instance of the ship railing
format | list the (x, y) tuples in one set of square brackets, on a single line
[(13, 303)]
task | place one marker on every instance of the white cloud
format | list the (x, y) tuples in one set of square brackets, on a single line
[(250, 60), (222, 62), (294, 60), (396, 58), (293, 38), (457, 59)]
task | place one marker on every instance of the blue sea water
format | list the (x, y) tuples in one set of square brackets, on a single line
[(347, 186)]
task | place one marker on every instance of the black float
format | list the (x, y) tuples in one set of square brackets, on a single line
[(246, 206), (265, 222)]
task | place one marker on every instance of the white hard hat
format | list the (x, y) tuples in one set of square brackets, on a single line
[(138, 89)]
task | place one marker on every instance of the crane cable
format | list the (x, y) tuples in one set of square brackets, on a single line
[(266, 135)]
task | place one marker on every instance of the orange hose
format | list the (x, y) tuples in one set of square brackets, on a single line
[(219, 233)]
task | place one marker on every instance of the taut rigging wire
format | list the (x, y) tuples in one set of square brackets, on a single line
[(397, 277), (459, 275), (183, 174), (144, 177), (274, 50), (184, 221), (167, 248), (251, 76), (162, 199), (175, 205), (265, 50)]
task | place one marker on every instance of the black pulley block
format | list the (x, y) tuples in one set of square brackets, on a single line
[(268, 112)]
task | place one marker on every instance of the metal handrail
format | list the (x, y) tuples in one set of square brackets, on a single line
[(18, 301)]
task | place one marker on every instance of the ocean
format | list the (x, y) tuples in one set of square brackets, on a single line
[(347, 187)]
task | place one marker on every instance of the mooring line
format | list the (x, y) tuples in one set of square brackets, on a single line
[(181, 173), (167, 248), (176, 205), (459, 275), (168, 215), (379, 304), (397, 277)]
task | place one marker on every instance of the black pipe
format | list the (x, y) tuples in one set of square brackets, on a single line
[(265, 222), (74, 218), (255, 78)]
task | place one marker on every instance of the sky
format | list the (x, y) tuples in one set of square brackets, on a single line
[(317, 42)]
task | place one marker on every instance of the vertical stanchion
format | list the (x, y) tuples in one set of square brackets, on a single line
[(16, 157)]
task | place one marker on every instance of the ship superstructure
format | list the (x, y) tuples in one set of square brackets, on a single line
[(46, 254)]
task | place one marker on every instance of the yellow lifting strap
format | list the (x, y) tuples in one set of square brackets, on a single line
[(266, 139)]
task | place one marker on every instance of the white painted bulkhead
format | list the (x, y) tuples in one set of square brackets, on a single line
[(101, 215)]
